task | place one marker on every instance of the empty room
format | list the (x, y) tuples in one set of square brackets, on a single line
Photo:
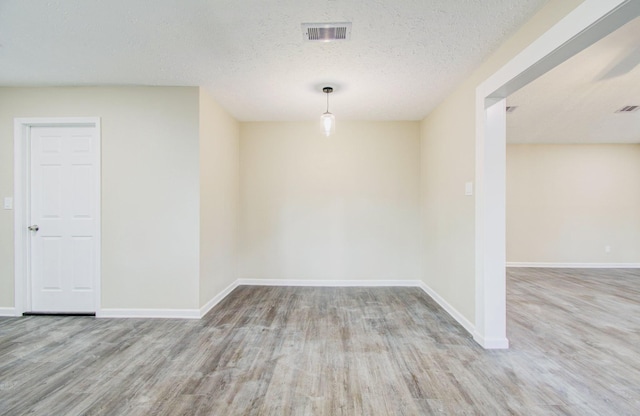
[(573, 229), (308, 208)]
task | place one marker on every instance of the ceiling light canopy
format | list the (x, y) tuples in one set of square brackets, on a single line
[(328, 120)]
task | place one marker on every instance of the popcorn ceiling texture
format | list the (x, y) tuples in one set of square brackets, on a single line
[(404, 56)]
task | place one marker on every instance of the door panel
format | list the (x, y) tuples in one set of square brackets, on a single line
[(50, 255), (82, 259), (64, 199)]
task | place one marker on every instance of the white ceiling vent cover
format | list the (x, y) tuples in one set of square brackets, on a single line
[(326, 32)]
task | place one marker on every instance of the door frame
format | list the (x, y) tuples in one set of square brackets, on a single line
[(22, 203), (586, 24)]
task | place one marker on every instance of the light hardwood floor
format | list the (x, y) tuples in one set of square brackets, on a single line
[(575, 349)]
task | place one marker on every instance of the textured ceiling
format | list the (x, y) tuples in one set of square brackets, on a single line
[(576, 101), (404, 56)]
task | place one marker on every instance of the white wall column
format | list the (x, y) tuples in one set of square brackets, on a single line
[(491, 229)]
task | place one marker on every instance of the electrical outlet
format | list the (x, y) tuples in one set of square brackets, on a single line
[(607, 249), (8, 202)]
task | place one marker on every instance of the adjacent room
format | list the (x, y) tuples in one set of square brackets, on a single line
[(308, 208), (573, 198)]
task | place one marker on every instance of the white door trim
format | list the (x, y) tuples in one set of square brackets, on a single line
[(588, 23), (21, 180)]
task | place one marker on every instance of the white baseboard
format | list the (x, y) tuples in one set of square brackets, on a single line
[(218, 298), (491, 343), (149, 313), (328, 283), (449, 309), (8, 312), (576, 265)]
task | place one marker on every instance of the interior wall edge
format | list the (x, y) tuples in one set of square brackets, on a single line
[(453, 312), (575, 265), (148, 313), (329, 283), (206, 308)]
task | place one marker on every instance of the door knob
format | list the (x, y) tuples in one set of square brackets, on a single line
[(34, 228)]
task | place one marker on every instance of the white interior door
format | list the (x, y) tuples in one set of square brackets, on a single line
[(63, 218)]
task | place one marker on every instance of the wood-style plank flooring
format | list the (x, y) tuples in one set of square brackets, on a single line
[(575, 350)]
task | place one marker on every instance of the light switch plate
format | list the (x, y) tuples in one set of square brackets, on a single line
[(468, 188), (8, 202)]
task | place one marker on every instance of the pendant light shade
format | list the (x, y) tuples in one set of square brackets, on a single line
[(327, 119), (328, 124)]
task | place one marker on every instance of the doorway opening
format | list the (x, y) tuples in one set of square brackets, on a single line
[(589, 22)]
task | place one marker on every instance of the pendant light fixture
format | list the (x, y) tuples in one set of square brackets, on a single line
[(328, 120)]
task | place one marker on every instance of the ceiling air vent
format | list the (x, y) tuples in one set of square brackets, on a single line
[(511, 108), (628, 109), (326, 32)]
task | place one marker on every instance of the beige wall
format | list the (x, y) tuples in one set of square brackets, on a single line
[(310, 208), (565, 203), (344, 207), (219, 193), (447, 161), (150, 176), (447, 214)]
